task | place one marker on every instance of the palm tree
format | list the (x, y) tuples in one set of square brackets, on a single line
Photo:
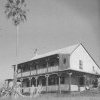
[(15, 10)]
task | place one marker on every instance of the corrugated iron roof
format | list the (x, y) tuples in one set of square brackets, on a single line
[(67, 50)]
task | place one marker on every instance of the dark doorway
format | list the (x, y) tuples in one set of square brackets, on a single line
[(81, 81)]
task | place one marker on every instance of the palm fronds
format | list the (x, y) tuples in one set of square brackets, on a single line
[(15, 9)]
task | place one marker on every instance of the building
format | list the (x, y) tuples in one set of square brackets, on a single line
[(67, 69), (9, 82)]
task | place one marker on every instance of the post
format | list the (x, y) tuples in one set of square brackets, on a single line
[(30, 83), (85, 81), (47, 65), (47, 76), (36, 68), (78, 78), (70, 81), (30, 80), (36, 77), (59, 78), (21, 71), (21, 80)]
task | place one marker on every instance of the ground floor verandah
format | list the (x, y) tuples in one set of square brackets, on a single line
[(62, 81)]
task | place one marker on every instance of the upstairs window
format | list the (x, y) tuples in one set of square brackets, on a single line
[(64, 60), (80, 64), (93, 69)]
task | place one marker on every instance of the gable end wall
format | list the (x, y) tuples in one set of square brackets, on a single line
[(88, 65)]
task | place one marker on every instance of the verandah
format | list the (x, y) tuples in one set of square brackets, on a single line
[(50, 82)]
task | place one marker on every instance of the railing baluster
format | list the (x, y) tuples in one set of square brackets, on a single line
[(40, 71)]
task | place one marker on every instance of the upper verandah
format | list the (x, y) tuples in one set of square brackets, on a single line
[(66, 50)]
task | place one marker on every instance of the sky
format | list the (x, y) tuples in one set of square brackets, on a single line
[(50, 25)]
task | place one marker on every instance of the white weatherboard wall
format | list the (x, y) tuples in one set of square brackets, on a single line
[(88, 63)]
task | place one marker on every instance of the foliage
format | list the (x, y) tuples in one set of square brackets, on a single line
[(15, 9)]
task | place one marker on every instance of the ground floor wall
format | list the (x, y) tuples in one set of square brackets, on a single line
[(69, 81)]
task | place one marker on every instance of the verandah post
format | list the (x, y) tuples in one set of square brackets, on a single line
[(30, 82), (70, 81), (21, 80), (36, 78), (78, 78), (85, 81), (47, 76), (59, 78)]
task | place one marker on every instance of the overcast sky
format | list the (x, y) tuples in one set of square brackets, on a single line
[(50, 25)]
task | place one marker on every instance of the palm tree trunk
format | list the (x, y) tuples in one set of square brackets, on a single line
[(17, 27), (15, 71)]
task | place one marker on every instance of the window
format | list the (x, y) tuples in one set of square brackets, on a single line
[(64, 60), (95, 83), (81, 81), (62, 80), (53, 80), (93, 69), (80, 64), (26, 83)]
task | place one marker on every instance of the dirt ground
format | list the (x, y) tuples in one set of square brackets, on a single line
[(86, 95), (56, 97)]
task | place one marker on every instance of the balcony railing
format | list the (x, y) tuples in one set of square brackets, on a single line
[(19, 75), (25, 73), (40, 71), (33, 72), (51, 69)]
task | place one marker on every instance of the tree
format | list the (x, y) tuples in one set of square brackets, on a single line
[(15, 10)]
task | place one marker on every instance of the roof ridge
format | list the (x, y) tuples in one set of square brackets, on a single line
[(76, 47)]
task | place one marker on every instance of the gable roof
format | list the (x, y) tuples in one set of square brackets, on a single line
[(89, 55), (86, 52), (67, 50)]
